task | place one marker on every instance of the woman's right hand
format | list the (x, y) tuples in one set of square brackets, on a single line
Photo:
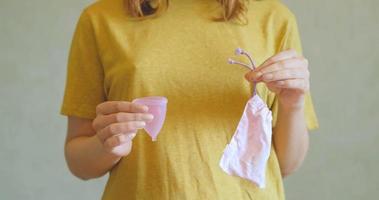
[(117, 123)]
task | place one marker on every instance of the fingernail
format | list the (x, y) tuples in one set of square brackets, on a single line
[(258, 74), (141, 123), (130, 136), (267, 76), (149, 117), (145, 108)]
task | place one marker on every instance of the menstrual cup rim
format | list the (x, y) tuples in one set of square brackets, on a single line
[(152, 100)]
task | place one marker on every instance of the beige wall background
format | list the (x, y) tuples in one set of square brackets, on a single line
[(340, 38)]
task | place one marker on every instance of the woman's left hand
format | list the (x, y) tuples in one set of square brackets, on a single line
[(287, 75)]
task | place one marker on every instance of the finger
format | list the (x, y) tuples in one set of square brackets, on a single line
[(297, 84), (110, 107), (102, 121), (287, 54), (119, 128), (276, 64), (285, 64), (118, 140), (295, 73), (115, 141)]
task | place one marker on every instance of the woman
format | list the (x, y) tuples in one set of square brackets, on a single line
[(122, 50)]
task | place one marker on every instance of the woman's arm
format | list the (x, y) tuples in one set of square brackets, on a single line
[(287, 75), (290, 137)]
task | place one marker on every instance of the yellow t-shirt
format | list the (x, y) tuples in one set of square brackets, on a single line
[(181, 55)]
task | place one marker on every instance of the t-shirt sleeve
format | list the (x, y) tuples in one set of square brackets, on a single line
[(84, 88), (291, 40)]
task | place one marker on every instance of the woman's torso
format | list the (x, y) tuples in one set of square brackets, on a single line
[(182, 55)]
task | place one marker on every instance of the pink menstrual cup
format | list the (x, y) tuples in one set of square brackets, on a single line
[(157, 107)]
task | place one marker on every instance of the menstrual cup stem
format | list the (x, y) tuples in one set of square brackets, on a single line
[(231, 61), (240, 51)]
